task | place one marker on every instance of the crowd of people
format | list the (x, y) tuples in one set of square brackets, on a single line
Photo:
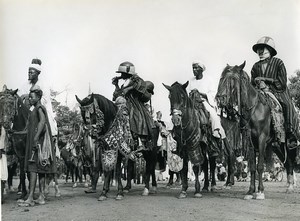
[(268, 74)]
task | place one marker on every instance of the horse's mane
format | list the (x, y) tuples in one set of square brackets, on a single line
[(107, 106), (241, 85)]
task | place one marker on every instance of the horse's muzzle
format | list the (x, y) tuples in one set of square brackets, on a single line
[(176, 117)]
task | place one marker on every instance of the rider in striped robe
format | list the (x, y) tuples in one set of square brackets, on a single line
[(272, 71)]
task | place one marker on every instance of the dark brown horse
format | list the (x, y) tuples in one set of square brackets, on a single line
[(96, 126), (101, 126), (188, 134), (14, 113), (239, 99)]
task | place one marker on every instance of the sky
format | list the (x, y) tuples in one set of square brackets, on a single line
[(82, 42)]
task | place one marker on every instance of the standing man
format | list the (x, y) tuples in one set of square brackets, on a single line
[(35, 84)]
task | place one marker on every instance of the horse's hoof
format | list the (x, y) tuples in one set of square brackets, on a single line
[(248, 197), (102, 198), (290, 190), (205, 189), (198, 195), (214, 188), (228, 186), (182, 195), (154, 190), (145, 192), (260, 196), (119, 197)]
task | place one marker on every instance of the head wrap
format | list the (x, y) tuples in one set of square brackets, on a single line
[(36, 67), (200, 65)]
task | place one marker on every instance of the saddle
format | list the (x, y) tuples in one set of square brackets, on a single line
[(277, 117)]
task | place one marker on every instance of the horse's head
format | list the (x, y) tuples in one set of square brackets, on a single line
[(178, 101), (230, 87), (8, 107), (92, 115)]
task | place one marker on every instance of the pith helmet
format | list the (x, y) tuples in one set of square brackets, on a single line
[(127, 68), (265, 41)]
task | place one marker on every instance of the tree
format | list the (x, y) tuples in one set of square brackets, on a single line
[(294, 88)]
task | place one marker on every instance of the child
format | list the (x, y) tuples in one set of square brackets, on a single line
[(39, 156)]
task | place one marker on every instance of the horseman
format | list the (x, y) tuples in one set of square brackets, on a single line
[(200, 92), (269, 74), (137, 93), (35, 83)]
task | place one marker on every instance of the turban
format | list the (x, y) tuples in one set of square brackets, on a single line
[(200, 65), (36, 67)]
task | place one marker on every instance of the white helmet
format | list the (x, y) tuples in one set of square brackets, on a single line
[(265, 41)]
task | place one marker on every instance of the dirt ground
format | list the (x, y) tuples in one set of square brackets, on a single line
[(222, 204)]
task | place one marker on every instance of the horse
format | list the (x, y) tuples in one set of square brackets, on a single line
[(254, 114), (188, 134), (71, 153), (15, 113)]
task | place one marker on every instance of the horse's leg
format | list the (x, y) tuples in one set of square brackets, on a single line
[(230, 163), (260, 166), (184, 177), (120, 194), (23, 179), (67, 173), (171, 177), (252, 168), (107, 178), (289, 166), (196, 169), (212, 168), (130, 167), (147, 174), (11, 172), (94, 179), (206, 178), (153, 164)]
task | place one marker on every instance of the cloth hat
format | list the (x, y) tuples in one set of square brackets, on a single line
[(265, 41), (127, 68), (200, 65), (37, 67)]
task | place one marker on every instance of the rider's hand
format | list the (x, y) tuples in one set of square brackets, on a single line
[(115, 80)]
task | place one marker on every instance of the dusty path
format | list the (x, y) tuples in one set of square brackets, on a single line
[(223, 204)]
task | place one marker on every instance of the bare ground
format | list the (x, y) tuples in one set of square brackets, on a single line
[(222, 204)]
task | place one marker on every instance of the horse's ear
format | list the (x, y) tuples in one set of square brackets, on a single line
[(241, 67), (78, 100), (4, 88), (166, 86), (15, 92), (92, 97), (184, 86)]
